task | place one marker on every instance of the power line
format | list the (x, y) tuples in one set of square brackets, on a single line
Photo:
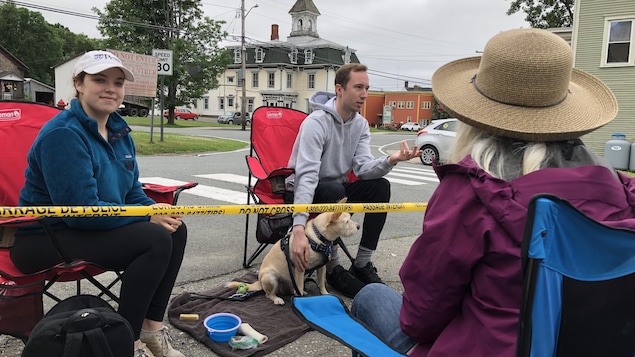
[(159, 27)]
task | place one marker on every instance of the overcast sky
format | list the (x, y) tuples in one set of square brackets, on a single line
[(399, 40)]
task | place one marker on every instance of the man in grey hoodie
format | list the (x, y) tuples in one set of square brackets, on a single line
[(333, 141)]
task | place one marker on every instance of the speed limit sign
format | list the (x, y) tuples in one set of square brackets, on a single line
[(164, 62)]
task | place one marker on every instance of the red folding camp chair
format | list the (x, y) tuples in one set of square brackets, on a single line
[(21, 294), (273, 132)]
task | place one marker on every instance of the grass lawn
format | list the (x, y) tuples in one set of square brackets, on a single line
[(185, 144), (181, 144), (198, 123), (177, 123)]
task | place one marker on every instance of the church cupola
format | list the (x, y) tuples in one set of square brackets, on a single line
[(304, 18)]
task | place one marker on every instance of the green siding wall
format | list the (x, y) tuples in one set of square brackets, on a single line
[(621, 80)]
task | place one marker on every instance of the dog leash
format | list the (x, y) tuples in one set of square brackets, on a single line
[(326, 248), (284, 245)]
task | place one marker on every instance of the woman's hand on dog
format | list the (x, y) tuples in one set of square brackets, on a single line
[(300, 249)]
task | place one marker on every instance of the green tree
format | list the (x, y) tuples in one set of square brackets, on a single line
[(544, 13), (38, 44), (437, 110), (74, 44), (30, 39), (177, 25)]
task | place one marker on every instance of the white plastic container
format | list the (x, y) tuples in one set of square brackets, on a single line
[(617, 152), (631, 165)]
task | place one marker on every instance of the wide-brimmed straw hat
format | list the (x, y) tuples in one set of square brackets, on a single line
[(524, 87)]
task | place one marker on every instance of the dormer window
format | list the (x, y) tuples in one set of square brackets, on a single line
[(237, 55), (308, 56), (260, 55), (293, 56)]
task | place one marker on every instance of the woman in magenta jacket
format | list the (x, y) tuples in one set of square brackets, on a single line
[(518, 136)]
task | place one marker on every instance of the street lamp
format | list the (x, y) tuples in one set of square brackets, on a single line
[(243, 63)]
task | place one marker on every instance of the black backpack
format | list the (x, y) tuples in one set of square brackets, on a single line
[(82, 325)]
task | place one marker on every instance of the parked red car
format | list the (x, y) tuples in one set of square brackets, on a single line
[(182, 113)]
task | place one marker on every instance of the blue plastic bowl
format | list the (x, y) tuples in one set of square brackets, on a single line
[(222, 326)]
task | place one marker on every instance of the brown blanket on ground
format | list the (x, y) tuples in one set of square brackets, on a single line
[(278, 323)]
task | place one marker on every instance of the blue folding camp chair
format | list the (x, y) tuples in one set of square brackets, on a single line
[(329, 315), (579, 284)]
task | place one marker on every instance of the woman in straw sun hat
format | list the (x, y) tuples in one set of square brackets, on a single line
[(522, 109)]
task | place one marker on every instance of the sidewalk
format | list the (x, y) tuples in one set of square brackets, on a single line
[(388, 258)]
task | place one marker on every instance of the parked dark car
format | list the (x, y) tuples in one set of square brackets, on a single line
[(234, 117)]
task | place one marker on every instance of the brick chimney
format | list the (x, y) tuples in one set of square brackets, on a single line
[(405, 84), (274, 32)]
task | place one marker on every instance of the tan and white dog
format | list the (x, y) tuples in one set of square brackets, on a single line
[(274, 277)]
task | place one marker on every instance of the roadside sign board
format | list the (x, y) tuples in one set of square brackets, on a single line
[(164, 62), (144, 68), (387, 114)]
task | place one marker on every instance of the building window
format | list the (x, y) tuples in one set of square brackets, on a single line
[(230, 79), (254, 79), (392, 104), (293, 56), (260, 55), (289, 80), (271, 79), (205, 102), (410, 104), (237, 57), (310, 78), (618, 42), (400, 104), (308, 56), (221, 103), (250, 105), (426, 105), (230, 102)]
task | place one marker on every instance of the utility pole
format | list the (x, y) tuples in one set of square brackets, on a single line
[(243, 66)]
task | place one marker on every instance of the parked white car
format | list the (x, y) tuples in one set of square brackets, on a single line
[(435, 140), (411, 126)]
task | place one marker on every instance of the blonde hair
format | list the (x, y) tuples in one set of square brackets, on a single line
[(501, 157)]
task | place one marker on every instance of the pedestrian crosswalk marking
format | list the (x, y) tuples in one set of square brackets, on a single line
[(427, 172), (410, 176), (403, 182), (240, 179), (414, 177)]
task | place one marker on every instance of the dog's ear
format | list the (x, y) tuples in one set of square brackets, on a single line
[(343, 200), (335, 216)]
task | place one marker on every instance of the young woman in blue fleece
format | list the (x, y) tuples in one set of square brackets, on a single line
[(85, 156)]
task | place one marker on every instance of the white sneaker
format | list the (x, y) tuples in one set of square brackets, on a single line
[(159, 343)]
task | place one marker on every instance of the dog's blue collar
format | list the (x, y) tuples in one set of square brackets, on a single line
[(326, 247)]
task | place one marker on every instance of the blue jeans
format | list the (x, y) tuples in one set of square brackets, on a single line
[(378, 307)]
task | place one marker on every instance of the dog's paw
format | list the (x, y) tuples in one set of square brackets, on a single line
[(324, 292), (278, 301)]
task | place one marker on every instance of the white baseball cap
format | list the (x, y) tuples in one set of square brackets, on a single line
[(94, 62)]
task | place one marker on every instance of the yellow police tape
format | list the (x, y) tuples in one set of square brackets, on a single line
[(105, 211)]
